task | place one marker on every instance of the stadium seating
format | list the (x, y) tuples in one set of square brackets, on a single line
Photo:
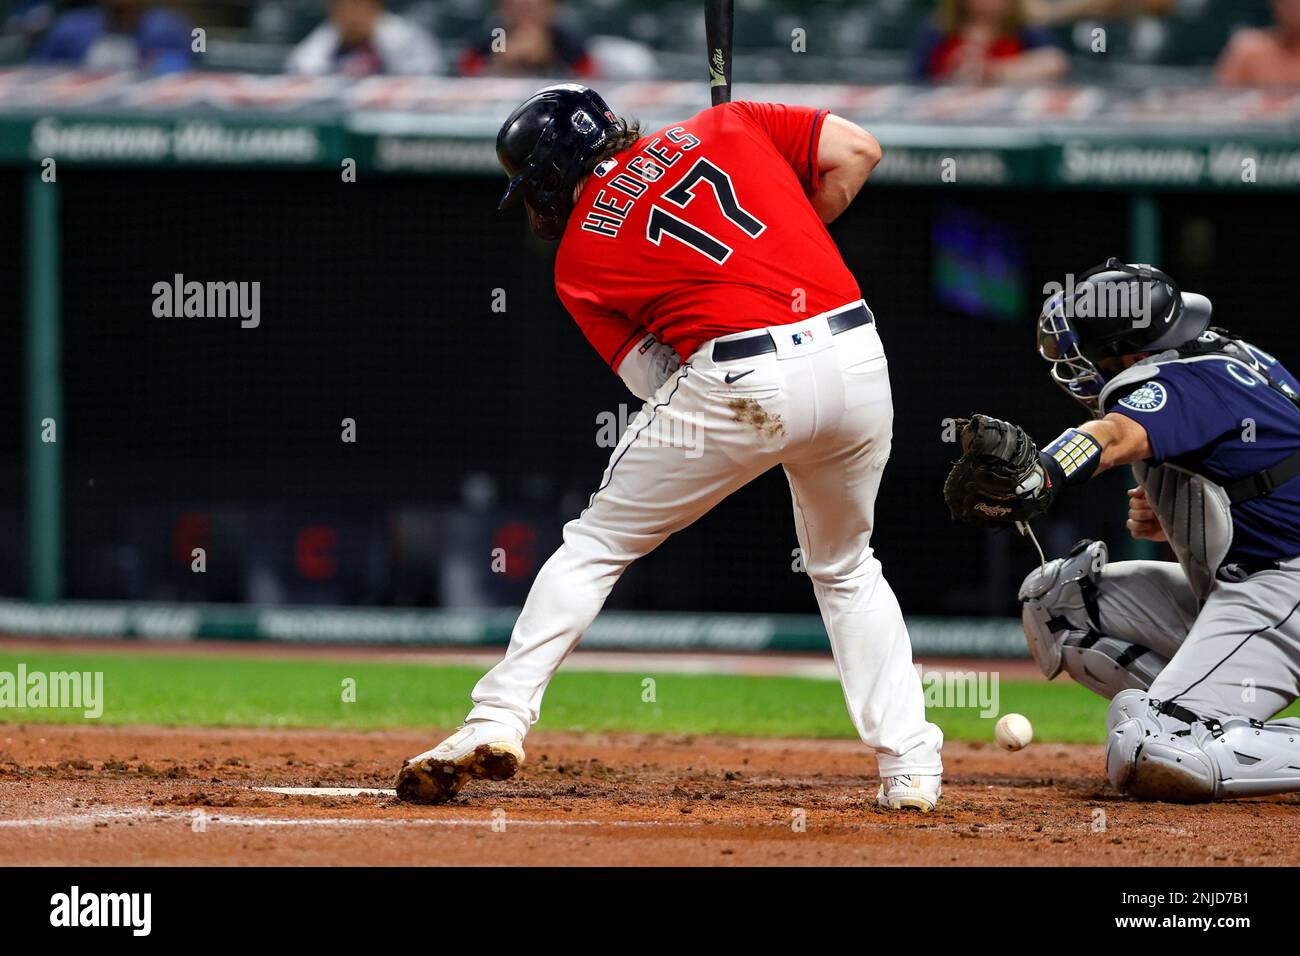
[(846, 40)]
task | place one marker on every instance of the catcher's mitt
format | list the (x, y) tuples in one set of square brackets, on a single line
[(998, 480)]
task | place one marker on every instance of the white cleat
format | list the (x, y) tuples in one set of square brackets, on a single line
[(910, 793), (479, 750)]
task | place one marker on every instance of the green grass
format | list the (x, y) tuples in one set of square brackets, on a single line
[(220, 690)]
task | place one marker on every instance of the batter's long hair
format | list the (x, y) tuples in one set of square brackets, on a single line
[(952, 17), (629, 131)]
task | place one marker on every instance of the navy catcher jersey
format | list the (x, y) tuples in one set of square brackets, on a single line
[(1213, 416)]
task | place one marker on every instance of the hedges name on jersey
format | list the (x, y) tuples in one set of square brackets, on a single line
[(701, 230)]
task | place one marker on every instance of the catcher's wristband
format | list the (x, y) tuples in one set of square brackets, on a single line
[(1072, 459)]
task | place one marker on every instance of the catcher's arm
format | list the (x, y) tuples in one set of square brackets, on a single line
[(1002, 477), (1122, 440)]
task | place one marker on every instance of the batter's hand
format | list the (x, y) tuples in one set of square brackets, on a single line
[(1142, 521)]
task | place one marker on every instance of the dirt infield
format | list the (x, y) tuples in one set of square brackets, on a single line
[(177, 796)]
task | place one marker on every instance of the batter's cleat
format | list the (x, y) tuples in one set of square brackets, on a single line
[(479, 750), (910, 793)]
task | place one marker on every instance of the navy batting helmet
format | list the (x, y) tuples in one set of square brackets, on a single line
[(547, 144), (1113, 310)]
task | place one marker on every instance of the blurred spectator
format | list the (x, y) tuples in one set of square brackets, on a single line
[(28, 19), (618, 58), (1054, 12), (118, 35), (986, 41), (361, 38), (528, 37), (1269, 57)]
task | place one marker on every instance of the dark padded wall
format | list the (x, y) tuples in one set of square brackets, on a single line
[(376, 304)]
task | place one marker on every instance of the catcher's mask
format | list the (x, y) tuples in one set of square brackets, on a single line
[(549, 143), (1111, 311)]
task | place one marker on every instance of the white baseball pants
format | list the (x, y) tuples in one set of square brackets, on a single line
[(821, 407)]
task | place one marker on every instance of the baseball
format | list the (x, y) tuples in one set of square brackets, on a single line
[(1013, 731)]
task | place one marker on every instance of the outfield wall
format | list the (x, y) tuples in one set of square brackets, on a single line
[(615, 630)]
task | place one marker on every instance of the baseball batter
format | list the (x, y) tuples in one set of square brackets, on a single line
[(1196, 656), (697, 263)]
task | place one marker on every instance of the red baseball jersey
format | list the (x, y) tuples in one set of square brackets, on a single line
[(700, 230)]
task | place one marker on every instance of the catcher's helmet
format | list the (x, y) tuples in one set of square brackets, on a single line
[(1113, 310), (549, 143)]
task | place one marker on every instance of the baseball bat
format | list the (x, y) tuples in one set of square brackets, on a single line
[(719, 18)]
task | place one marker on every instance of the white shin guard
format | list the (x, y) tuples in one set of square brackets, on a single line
[(1059, 603), (1062, 626), (1255, 759), (1156, 756), (1108, 665)]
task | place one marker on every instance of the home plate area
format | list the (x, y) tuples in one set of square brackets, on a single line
[(133, 795)]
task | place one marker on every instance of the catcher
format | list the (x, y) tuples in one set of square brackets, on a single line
[(1196, 656)]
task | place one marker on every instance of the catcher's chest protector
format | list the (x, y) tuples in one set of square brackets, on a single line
[(1193, 510)]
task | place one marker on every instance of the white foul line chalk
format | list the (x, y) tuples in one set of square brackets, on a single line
[(329, 791)]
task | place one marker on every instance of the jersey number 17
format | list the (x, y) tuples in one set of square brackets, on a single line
[(663, 222)]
